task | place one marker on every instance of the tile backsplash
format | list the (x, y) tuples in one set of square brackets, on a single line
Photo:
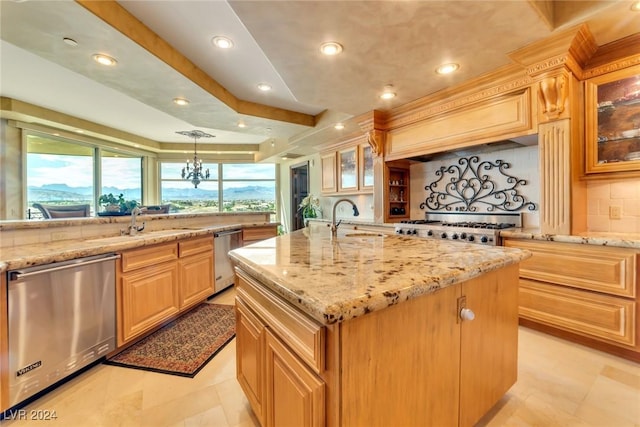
[(524, 165), (604, 195)]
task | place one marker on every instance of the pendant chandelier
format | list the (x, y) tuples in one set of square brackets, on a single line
[(195, 172)]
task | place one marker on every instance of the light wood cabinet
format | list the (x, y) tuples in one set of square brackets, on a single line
[(348, 169), (390, 367), (255, 234), (329, 179), (196, 270), (365, 165), (581, 292), (156, 283), (278, 375), (295, 395), (250, 353), (147, 292)]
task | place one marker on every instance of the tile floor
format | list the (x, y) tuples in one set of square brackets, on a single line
[(559, 384)]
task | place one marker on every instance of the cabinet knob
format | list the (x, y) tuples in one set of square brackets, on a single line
[(467, 314)]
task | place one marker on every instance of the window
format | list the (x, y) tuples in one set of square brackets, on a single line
[(242, 188), (182, 195), (58, 173), (121, 174), (248, 187), (63, 172)]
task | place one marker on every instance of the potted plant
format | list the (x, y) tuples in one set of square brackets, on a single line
[(310, 207), (118, 204)]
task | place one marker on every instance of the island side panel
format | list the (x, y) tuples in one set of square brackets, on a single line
[(400, 365), (489, 350)]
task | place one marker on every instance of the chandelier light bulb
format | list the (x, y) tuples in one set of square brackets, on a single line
[(195, 172)]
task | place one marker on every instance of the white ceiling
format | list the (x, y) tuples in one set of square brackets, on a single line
[(277, 42)]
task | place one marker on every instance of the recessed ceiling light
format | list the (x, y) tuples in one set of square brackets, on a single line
[(180, 101), (388, 92), (79, 131), (339, 126), (264, 87), (104, 59), (222, 42), (447, 68), (635, 7), (331, 48), (70, 42), (241, 124)]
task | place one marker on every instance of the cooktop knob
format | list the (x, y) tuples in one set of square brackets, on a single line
[(443, 235), (414, 231), (429, 233), (471, 238), (454, 237), (463, 236), (399, 231), (484, 239)]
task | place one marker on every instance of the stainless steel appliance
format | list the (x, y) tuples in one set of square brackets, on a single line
[(224, 241), (62, 317), (480, 228)]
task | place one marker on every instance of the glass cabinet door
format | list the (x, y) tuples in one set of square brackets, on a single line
[(366, 167), (348, 167)]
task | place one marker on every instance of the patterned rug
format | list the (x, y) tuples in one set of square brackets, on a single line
[(184, 346)]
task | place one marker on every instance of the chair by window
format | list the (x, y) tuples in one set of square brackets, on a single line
[(63, 211), (155, 209)]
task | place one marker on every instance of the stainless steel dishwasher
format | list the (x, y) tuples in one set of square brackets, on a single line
[(224, 241), (62, 317)]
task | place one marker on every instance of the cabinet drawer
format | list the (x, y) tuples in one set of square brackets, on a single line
[(195, 246), (258, 233), (305, 337), (151, 255), (597, 268), (603, 317)]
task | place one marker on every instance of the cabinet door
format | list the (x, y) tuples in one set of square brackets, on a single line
[(149, 296), (196, 278), (250, 357), (489, 343), (328, 163), (366, 167), (294, 395), (348, 169)]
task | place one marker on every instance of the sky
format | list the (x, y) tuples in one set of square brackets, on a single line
[(122, 172)]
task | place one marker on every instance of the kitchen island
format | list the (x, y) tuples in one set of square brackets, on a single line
[(364, 329)]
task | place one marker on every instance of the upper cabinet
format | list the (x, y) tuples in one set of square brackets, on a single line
[(366, 166), (613, 122), (348, 169), (328, 163)]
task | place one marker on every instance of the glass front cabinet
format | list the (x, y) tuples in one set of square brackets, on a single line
[(348, 170)]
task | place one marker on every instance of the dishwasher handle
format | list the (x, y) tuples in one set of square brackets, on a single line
[(19, 274), (226, 233)]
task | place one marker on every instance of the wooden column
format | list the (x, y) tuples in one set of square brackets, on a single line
[(555, 172)]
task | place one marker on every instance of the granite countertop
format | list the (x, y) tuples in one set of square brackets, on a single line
[(333, 280), (620, 240), (17, 257)]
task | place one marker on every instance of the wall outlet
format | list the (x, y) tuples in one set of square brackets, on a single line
[(615, 212)]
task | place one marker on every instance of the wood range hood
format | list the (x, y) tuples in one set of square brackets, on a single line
[(478, 149)]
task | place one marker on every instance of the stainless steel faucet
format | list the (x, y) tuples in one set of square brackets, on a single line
[(334, 226), (133, 228)]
